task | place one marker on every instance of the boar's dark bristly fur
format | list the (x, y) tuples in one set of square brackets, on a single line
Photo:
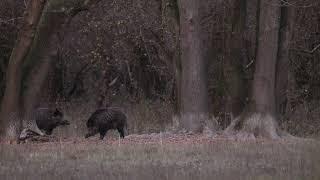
[(105, 119), (48, 119)]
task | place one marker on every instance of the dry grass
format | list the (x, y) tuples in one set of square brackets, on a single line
[(214, 159), (143, 117)]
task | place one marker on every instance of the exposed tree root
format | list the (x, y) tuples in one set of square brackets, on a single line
[(193, 122), (28, 135), (255, 125)]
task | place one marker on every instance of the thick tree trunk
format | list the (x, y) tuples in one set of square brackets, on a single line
[(259, 119), (194, 95), (233, 69), (263, 94), (10, 121), (40, 62), (170, 16), (282, 74)]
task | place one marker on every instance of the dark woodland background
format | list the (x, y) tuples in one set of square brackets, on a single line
[(126, 53)]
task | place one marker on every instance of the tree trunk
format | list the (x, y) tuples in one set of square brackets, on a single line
[(194, 95), (263, 97), (2, 78), (259, 118), (40, 61), (170, 16), (282, 74), (233, 69), (10, 120)]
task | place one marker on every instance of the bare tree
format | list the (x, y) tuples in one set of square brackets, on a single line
[(170, 21), (35, 41), (282, 73), (194, 95), (233, 69), (10, 104), (259, 120)]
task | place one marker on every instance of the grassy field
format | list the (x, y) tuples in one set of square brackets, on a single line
[(215, 159)]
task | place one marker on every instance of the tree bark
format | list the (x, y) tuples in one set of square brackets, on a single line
[(263, 97), (259, 118), (170, 16), (10, 120), (282, 74), (194, 95), (40, 60), (233, 69)]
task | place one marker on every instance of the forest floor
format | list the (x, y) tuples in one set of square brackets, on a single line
[(162, 156)]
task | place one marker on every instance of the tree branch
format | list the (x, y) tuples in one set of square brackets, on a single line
[(77, 78), (313, 50), (308, 51)]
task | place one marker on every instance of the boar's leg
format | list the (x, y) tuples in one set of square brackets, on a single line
[(102, 133), (49, 131), (121, 131), (91, 132), (89, 135)]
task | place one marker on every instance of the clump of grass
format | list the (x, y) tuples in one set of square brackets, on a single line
[(147, 116)]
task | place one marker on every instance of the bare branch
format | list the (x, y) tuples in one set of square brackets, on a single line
[(113, 81), (286, 3), (248, 65), (314, 49), (308, 51)]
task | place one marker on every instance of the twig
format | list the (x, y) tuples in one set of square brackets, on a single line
[(248, 65), (113, 81), (25, 3), (313, 50), (129, 71), (308, 51), (286, 3)]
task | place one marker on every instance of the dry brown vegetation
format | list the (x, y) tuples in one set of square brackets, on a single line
[(162, 156)]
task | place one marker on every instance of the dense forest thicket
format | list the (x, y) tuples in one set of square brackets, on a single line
[(137, 55)]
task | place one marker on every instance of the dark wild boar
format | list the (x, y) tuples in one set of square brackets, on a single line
[(105, 119), (48, 119)]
